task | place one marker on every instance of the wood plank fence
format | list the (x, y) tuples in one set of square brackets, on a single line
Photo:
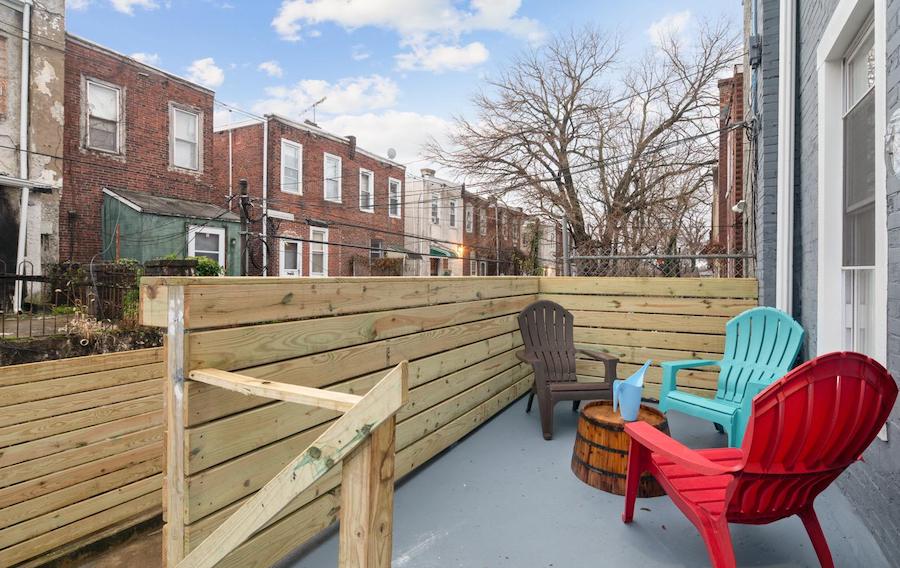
[(81, 450), (459, 335)]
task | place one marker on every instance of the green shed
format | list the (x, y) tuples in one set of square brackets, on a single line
[(146, 227)]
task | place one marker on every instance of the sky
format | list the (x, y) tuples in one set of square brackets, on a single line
[(393, 72)]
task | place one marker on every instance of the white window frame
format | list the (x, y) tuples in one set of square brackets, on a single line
[(482, 268), (482, 221), (191, 243), (399, 184), (469, 218), (299, 147), (373, 250), (435, 209), (340, 169), (371, 208), (313, 242), (87, 110), (451, 213), (198, 143), (844, 27), (473, 264), (283, 254)]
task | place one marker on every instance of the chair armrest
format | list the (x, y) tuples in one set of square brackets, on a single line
[(609, 362), (754, 387), (671, 368), (526, 357), (660, 443), (597, 355)]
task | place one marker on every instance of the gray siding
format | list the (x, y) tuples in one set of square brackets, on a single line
[(872, 486)]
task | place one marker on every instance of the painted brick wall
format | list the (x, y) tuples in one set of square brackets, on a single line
[(143, 164), (350, 230), (872, 486)]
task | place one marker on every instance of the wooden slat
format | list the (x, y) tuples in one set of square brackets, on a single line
[(148, 504), (651, 322), (78, 438), (21, 433), (56, 462), (223, 301), (208, 403), (653, 305), (64, 478), (86, 489), (253, 345), (671, 287), (52, 388), (36, 410), (45, 370), (652, 339), (688, 377), (297, 394)]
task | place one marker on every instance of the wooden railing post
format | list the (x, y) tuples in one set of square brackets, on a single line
[(367, 502)]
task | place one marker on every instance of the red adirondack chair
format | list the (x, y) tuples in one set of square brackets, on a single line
[(804, 430)]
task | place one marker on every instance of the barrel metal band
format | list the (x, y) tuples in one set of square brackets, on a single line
[(578, 436)]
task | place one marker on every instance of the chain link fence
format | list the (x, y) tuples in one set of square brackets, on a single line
[(664, 266)]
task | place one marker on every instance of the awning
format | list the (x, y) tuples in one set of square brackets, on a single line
[(440, 252), (396, 251)]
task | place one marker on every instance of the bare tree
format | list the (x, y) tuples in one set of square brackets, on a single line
[(622, 163)]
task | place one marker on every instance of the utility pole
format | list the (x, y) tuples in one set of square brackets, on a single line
[(245, 205), (567, 269)]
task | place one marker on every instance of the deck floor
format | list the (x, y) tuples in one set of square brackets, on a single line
[(505, 497)]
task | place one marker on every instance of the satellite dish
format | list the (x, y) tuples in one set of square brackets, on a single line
[(392, 153)]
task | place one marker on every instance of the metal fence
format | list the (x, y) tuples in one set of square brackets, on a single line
[(665, 266), (41, 305)]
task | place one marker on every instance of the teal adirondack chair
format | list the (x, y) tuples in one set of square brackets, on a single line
[(761, 345)]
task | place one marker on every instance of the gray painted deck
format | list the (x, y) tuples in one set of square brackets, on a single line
[(505, 497)]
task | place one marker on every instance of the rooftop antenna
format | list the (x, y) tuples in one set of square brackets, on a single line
[(313, 108)]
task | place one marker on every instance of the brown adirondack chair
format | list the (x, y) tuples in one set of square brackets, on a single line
[(550, 349)]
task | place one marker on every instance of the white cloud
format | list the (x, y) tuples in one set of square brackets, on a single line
[(347, 96), (407, 17), (669, 26), (128, 6), (206, 72), (359, 53), (440, 58), (78, 4), (406, 132), (271, 68), (148, 58)]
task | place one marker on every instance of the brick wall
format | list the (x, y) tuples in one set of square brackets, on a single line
[(484, 246), (143, 163), (350, 230), (727, 230)]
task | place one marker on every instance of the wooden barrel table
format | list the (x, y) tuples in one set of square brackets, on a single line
[(600, 458)]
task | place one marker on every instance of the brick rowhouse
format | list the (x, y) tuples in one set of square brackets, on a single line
[(142, 160), (358, 232)]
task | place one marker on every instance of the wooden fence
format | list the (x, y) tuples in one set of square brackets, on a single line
[(81, 450), (459, 334)]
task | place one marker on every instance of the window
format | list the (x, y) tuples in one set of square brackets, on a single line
[(504, 227), (435, 209), (332, 178), (291, 264), (858, 211), (186, 139), (104, 117), (376, 249), (395, 197), (473, 263), (470, 219), (318, 251), (452, 212), (291, 167), (482, 222), (366, 191), (515, 231), (482, 268), (208, 242)]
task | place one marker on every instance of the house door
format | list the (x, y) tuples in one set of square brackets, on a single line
[(291, 264), (435, 266)]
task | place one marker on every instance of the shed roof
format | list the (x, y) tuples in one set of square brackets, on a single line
[(171, 207)]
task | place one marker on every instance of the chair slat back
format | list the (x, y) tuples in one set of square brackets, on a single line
[(547, 332), (760, 344), (805, 430)]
